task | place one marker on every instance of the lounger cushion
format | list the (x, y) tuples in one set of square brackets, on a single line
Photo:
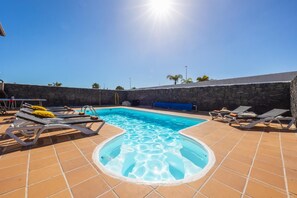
[(248, 115), (43, 114), (36, 107), (233, 114)]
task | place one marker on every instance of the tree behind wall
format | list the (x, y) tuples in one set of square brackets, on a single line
[(203, 78), (55, 84), (119, 88), (95, 86), (175, 78)]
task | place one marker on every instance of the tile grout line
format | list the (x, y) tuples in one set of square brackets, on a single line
[(57, 192), (105, 193), (8, 192), (270, 185), (44, 180), (68, 186), (84, 181), (197, 191), (82, 166), (27, 174), (226, 185), (253, 161), (91, 164), (283, 162)]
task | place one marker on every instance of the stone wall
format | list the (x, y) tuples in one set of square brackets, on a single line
[(262, 97), (58, 96), (294, 98)]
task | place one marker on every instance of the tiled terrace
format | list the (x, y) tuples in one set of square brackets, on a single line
[(255, 163)]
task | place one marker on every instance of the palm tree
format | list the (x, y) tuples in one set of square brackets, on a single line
[(119, 88), (175, 77), (95, 86), (186, 81), (203, 78)]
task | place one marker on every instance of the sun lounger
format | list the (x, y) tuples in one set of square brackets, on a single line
[(265, 118), (288, 120), (221, 113), (57, 114), (30, 126), (64, 109)]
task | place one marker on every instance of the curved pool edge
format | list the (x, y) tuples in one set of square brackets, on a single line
[(195, 177)]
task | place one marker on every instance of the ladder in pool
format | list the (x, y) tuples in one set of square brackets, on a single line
[(89, 108)]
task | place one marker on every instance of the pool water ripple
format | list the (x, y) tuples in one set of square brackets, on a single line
[(151, 149)]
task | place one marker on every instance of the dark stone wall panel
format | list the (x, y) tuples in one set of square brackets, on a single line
[(58, 96), (262, 97), (293, 90)]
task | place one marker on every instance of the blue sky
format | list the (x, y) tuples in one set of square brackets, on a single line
[(79, 42)]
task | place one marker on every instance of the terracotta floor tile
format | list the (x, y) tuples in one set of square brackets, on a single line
[(87, 149), (42, 154), (42, 163), (216, 189), (12, 171), (230, 179), (90, 188), (97, 139), (110, 180), (13, 183), (89, 156), (268, 178), (69, 155), (256, 189), (241, 158), (292, 186), (268, 167), (269, 159), (80, 174), (60, 147), (48, 187), (83, 143), (199, 195), (109, 194), (198, 183), (7, 162), (15, 154), (236, 166), (14, 194), (74, 163), (97, 168), (44, 174), (62, 194), (125, 190), (153, 194), (75, 151), (176, 191)]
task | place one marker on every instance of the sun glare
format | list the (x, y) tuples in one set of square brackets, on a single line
[(161, 8)]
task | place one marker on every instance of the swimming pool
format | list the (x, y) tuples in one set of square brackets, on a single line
[(151, 150)]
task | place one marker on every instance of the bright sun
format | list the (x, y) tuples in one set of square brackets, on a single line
[(161, 8)]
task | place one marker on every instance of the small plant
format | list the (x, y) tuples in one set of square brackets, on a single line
[(203, 78), (55, 84), (119, 88), (186, 81), (95, 86)]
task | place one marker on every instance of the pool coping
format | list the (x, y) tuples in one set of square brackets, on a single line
[(202, 173)]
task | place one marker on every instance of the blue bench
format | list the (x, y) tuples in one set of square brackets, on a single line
[(176, 106)]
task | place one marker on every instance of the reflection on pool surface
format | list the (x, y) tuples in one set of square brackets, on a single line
[(151, 150)]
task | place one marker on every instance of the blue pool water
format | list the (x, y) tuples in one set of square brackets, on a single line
[(151, 150)]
